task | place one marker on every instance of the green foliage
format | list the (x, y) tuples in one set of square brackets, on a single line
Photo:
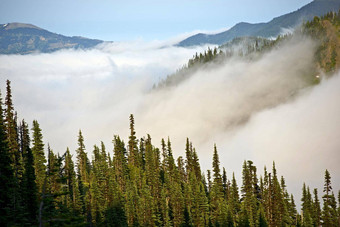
[(38, 155), (28, 184), (325, 30), (6, 174), (138, 187)]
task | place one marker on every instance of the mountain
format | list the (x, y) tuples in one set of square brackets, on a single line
[(270, 29), (19, 38)]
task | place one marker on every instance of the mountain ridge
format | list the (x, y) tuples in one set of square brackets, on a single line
[(268, 29), (22, 38)]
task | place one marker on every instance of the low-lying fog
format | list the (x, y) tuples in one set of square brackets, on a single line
[(251, 109)]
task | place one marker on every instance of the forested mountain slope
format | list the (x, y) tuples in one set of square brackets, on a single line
[(325, 31), (270, 29)]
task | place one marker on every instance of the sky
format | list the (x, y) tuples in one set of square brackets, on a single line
[(117, 20)]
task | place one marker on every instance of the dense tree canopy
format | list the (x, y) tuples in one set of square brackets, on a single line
[(140, 185)]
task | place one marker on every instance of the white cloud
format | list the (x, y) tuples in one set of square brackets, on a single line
[(251, 109)]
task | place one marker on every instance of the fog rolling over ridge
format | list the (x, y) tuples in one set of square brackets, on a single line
[(259, 110)]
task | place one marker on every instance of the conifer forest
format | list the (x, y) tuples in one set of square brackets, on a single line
[(141, 185)]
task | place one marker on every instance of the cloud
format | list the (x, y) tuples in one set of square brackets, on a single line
[(252, 109), (301, 136)]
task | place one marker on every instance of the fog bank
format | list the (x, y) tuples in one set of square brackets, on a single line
[(258, 110)]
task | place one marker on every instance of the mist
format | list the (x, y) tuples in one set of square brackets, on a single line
[(261, 110)]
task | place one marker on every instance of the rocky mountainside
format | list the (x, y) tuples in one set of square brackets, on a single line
[(19, 38)]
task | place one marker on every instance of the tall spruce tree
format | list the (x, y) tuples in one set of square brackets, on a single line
[(329, 209), (38, 156), (12, 133), (83, 174), (6, 175), (134, 158), (316, 209), (28, 186), (15, 154), (217, 202), (73, 198)]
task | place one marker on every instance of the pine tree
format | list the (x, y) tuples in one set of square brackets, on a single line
[(225, 184), (12, 132), (292, 210), (38, 156), (286, 203), (152, 173), (234, 201), (262, 222), (15, 154), (328, 215), (316, 209), (249, 191), (307, 215), (73, 198), (120, 162), (28, 187), (83, 175), (6, 175), (134, 159), (216, 196), (189, 157)]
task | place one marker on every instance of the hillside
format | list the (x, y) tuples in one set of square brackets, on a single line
[(270, 29), (19, 38), (324, 30)]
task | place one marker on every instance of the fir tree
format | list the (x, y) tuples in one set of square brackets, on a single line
[(28, 188), (6, 175), (329, 209), (38, 156), (73, 198), (15, 154), (133, 158), (316, 209), (83, 175)]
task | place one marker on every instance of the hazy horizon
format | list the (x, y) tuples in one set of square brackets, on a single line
[(145, 20)]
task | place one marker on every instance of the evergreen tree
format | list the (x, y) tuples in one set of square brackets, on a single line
[(83, 175), (38, 156), (216, 195), (234, 201), (292, 210), (262, 222), (134, 159), (12, 133), (15, 154), (28, 187), (73, 199), (328, 215), (307, 212), (316, 209), (120, 162), (6, 175)]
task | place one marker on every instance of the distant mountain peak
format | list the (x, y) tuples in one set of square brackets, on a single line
[(21, 38), (269, 29), (16, 25)]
